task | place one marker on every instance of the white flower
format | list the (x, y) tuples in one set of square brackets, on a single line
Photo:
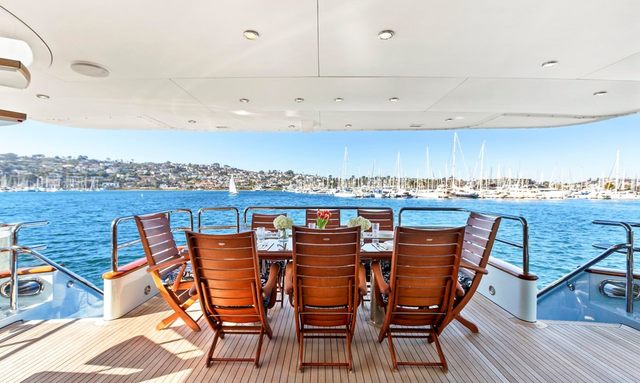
[(282, 222), (364, 223)]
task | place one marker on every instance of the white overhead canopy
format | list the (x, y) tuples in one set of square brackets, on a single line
[(450, 64)]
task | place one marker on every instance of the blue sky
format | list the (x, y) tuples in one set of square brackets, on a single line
[(573, 153)]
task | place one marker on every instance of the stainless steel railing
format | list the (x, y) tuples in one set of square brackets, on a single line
[(201, 213), (58, 267), (14, 229), (523, 245), (628, 248), (116, 246)]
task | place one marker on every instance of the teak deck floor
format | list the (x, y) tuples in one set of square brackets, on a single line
[(131, 350)]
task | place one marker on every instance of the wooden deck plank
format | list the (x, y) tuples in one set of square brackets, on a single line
[(131, 350)]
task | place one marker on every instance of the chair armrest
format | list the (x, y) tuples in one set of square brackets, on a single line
[(164, 265), (475, 268), (270, 286), (362, 280), (288, 279), (381, 285)]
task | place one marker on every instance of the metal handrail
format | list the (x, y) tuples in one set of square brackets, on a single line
[(250, 208), (30, 251), (524, 245), (115, 246), (628, 248), (14, 229), (203, 210)]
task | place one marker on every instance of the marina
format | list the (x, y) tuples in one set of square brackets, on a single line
[(319, 191)]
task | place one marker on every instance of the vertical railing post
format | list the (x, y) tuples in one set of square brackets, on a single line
[(13, 294), (525, 246), (114, 245), (629, 276)]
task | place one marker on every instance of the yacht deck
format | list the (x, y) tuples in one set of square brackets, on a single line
[(131, 350)]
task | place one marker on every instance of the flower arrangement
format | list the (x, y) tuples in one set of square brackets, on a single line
[(322, 218), (282, 222), (364, 223)]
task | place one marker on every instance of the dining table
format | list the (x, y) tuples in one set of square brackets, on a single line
[(375, 247)]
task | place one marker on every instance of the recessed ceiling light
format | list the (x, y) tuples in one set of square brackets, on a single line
[(386, 34), (394, 99), (192, 121), (42, 96), (250, 34), (415, 126), (448, 119), (600, 93), (458, 118), (347, 126), (549, 64), (338, 99), (244, 100), (89, 69), (299, 100), (222, 127), (291, 126)]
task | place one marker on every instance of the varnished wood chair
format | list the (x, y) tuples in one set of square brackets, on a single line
[(327, 282), (382, 216), (264, 220), (168, 268), (334, 221), (424, 270), (226, 273), (479, 237)]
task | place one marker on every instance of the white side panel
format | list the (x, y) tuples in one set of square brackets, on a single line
[(122, 295), (517, 296)]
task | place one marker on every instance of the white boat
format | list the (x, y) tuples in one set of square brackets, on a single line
[(232, 186), (344, 193)]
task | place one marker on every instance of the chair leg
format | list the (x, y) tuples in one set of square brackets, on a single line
[(281, 283), (179, 311), (349, 356), (443, 361), (257, 360), (467, 323), (300, 352), (392, 351), (213, 347)]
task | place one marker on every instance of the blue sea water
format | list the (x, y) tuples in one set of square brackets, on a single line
[(79, 236)]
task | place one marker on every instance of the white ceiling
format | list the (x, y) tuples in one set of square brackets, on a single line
[(178, 61)]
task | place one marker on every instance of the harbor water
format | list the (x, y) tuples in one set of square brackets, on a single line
[(79, 234)]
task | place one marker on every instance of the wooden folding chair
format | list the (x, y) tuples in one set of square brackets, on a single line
[(266, 221), (168, 268), (479, 236), (327, 286), (225, 268), (382, 216), (424, 269), (334, 221)]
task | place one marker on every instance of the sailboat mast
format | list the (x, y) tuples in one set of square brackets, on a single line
[(453, 161)]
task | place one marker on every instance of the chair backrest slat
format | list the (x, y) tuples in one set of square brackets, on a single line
[(334, 221), (382, 216), (157, 241), (264, 220), (424, 269), (479, 236), (225, 269), (325, 274)]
